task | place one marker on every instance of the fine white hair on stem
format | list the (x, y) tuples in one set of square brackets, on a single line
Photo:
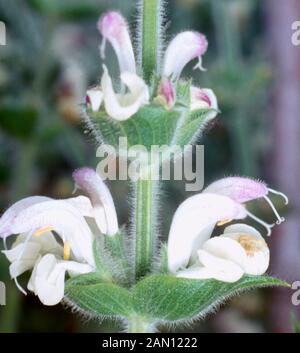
[(160, 32)]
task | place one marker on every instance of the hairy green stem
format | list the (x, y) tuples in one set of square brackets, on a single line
[(145, 222), (151, 36)]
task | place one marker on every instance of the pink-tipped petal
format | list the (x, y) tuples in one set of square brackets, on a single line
[(185, 47), (114, 28), (238, 189)]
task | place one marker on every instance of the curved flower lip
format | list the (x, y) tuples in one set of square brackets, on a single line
[(194, 222), (241, 249), (48, 278), (114, 28), (105, 214), (185, 47), (62, 217), (122, 107)]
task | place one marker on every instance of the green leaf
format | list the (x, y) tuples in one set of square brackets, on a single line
[(167, 298), (151, 125), (97, 297)]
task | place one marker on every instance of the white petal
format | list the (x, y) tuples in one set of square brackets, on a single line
[(227, 249), (104, 209), (242, 228), (199, 272), (49, 292), (114, 28), (94, 98), (48, 278), (29, 251), (64, 219), (12, 212), (257, 262), (193, 223), (185, 47), (122, 108), (221, 270), (83, 205)]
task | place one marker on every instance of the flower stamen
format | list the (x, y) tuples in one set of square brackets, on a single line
[(286, 200), (225, 221), (260, 221), (279, 219), (67, 250), (41, 231)]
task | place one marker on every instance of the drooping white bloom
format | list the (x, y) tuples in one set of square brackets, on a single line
[(194, 222), (239, 250), (185, 47), (36, 218), (123, 106), (114, 28), (243, 190)]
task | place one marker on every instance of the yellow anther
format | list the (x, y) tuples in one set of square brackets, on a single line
[(41, 231), (67, 251), (251, 244), (221, 223)]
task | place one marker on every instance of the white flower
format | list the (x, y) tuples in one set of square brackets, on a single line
[(193, 224), (36, 218), (185, 47), (239, 250)]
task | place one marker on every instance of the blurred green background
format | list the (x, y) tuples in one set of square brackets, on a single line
[(50, 59)]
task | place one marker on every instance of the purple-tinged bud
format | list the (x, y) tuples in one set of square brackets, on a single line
[(166, 94), (185, 47), (204, 98)]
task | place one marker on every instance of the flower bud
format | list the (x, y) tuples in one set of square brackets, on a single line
[(185, 47)]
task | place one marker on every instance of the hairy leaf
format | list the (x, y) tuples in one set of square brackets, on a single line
[(168, 298)]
